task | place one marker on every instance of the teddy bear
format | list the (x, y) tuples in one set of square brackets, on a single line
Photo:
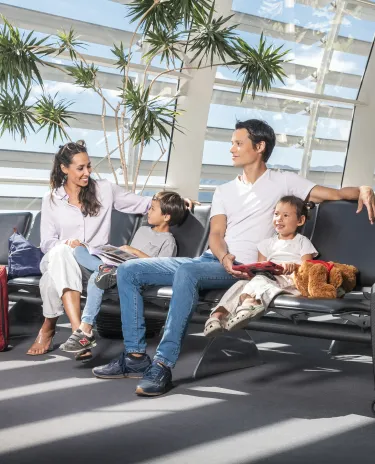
[(320, 279)]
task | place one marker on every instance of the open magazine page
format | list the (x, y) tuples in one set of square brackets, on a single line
[(111, 255)]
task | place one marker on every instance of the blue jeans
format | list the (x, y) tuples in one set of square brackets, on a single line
[(187, 276), (94, 294)]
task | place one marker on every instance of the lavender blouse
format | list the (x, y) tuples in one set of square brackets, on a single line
[(61, 221)]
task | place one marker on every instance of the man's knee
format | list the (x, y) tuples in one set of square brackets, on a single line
[(128, 271), (186, 272)]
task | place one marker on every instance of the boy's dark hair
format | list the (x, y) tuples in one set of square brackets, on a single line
[(302, 207), (173, 204), (259, 131)]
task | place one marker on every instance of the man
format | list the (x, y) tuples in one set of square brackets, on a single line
[(241, 216)]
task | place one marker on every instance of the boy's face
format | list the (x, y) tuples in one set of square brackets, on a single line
[(155, 216)]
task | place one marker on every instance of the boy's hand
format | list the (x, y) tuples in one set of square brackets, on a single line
[(289, 268), (128, 249)]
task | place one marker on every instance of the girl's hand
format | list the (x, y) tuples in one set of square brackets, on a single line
[(227, 262), (288, 268), (73, 242)]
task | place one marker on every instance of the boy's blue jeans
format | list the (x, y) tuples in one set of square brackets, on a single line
[(94, 294), (187, 276)]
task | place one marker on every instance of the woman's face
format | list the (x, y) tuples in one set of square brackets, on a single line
[(79, 170)]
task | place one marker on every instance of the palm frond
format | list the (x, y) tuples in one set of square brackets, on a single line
[(16, 116), (20, 55), (68, 41), (149, 116), (165, 43), (54, 115), (259, 68), (212, 39), (123, 58), (84, 75)]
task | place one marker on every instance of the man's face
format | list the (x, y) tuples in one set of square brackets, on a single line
[(243, 152)]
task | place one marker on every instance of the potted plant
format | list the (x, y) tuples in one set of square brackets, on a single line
[(184, 34)]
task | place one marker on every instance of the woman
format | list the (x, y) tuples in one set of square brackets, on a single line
[(78, 210)]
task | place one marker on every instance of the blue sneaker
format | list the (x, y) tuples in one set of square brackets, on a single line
[(157, 380), (124, 367)]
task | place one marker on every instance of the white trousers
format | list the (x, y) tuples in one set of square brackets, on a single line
[(60, 271), (259, 287)]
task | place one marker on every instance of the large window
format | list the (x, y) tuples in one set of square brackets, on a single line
[(311, 112), (25, 165)]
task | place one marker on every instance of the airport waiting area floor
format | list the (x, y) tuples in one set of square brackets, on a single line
[(300, 406)]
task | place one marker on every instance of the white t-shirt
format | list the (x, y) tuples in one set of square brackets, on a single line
[(249, 209), (286, 251)]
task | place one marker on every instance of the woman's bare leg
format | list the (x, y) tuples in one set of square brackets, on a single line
[(72, 304), (44, 339)]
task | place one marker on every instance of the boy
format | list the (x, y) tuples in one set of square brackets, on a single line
[(167, 209)]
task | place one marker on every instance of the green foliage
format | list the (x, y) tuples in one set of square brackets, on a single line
[(20, 56), (54, 115), (259, 68), (148, 115), (123, 58), (211, 39), (167, 14), (165, 43), (68, 41), (16, 116), (84, 75)]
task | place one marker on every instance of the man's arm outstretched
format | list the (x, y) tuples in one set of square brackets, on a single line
[(364, 195)]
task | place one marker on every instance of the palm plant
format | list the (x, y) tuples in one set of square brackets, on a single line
[(184, 34)]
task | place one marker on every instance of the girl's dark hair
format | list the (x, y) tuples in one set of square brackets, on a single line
[(173, 204), (87, 195), (302, 207)]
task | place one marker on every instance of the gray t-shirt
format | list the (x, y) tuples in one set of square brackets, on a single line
[(154, 243)]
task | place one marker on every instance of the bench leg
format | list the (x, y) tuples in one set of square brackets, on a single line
[(339, 347), (227, 352)]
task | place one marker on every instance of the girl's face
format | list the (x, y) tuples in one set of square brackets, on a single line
[(285, 220), (79, 170)]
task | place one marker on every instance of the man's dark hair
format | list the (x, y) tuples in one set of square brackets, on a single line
[(173, 204), (259, 131)]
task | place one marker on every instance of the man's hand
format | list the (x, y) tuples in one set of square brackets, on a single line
[(191, 203), (73, 243), (227, 262), (367, 198), (289, 268)]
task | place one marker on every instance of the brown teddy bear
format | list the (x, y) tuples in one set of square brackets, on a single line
[(320, 279)]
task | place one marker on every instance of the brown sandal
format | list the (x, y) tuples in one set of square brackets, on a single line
[(42, 340)]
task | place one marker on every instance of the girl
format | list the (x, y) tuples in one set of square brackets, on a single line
[(247, 300)]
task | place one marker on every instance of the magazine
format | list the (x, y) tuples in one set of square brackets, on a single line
[(110, 254)]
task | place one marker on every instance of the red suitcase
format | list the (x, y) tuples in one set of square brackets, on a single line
[(4, 324)]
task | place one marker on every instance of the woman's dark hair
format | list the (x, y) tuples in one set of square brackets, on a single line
[(173, 204), (259, 131), (87, 195), (302, 207)]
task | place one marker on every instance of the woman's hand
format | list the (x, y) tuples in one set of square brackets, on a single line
[(73, 243), (227, 262), (289, 268), (191, 203)]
